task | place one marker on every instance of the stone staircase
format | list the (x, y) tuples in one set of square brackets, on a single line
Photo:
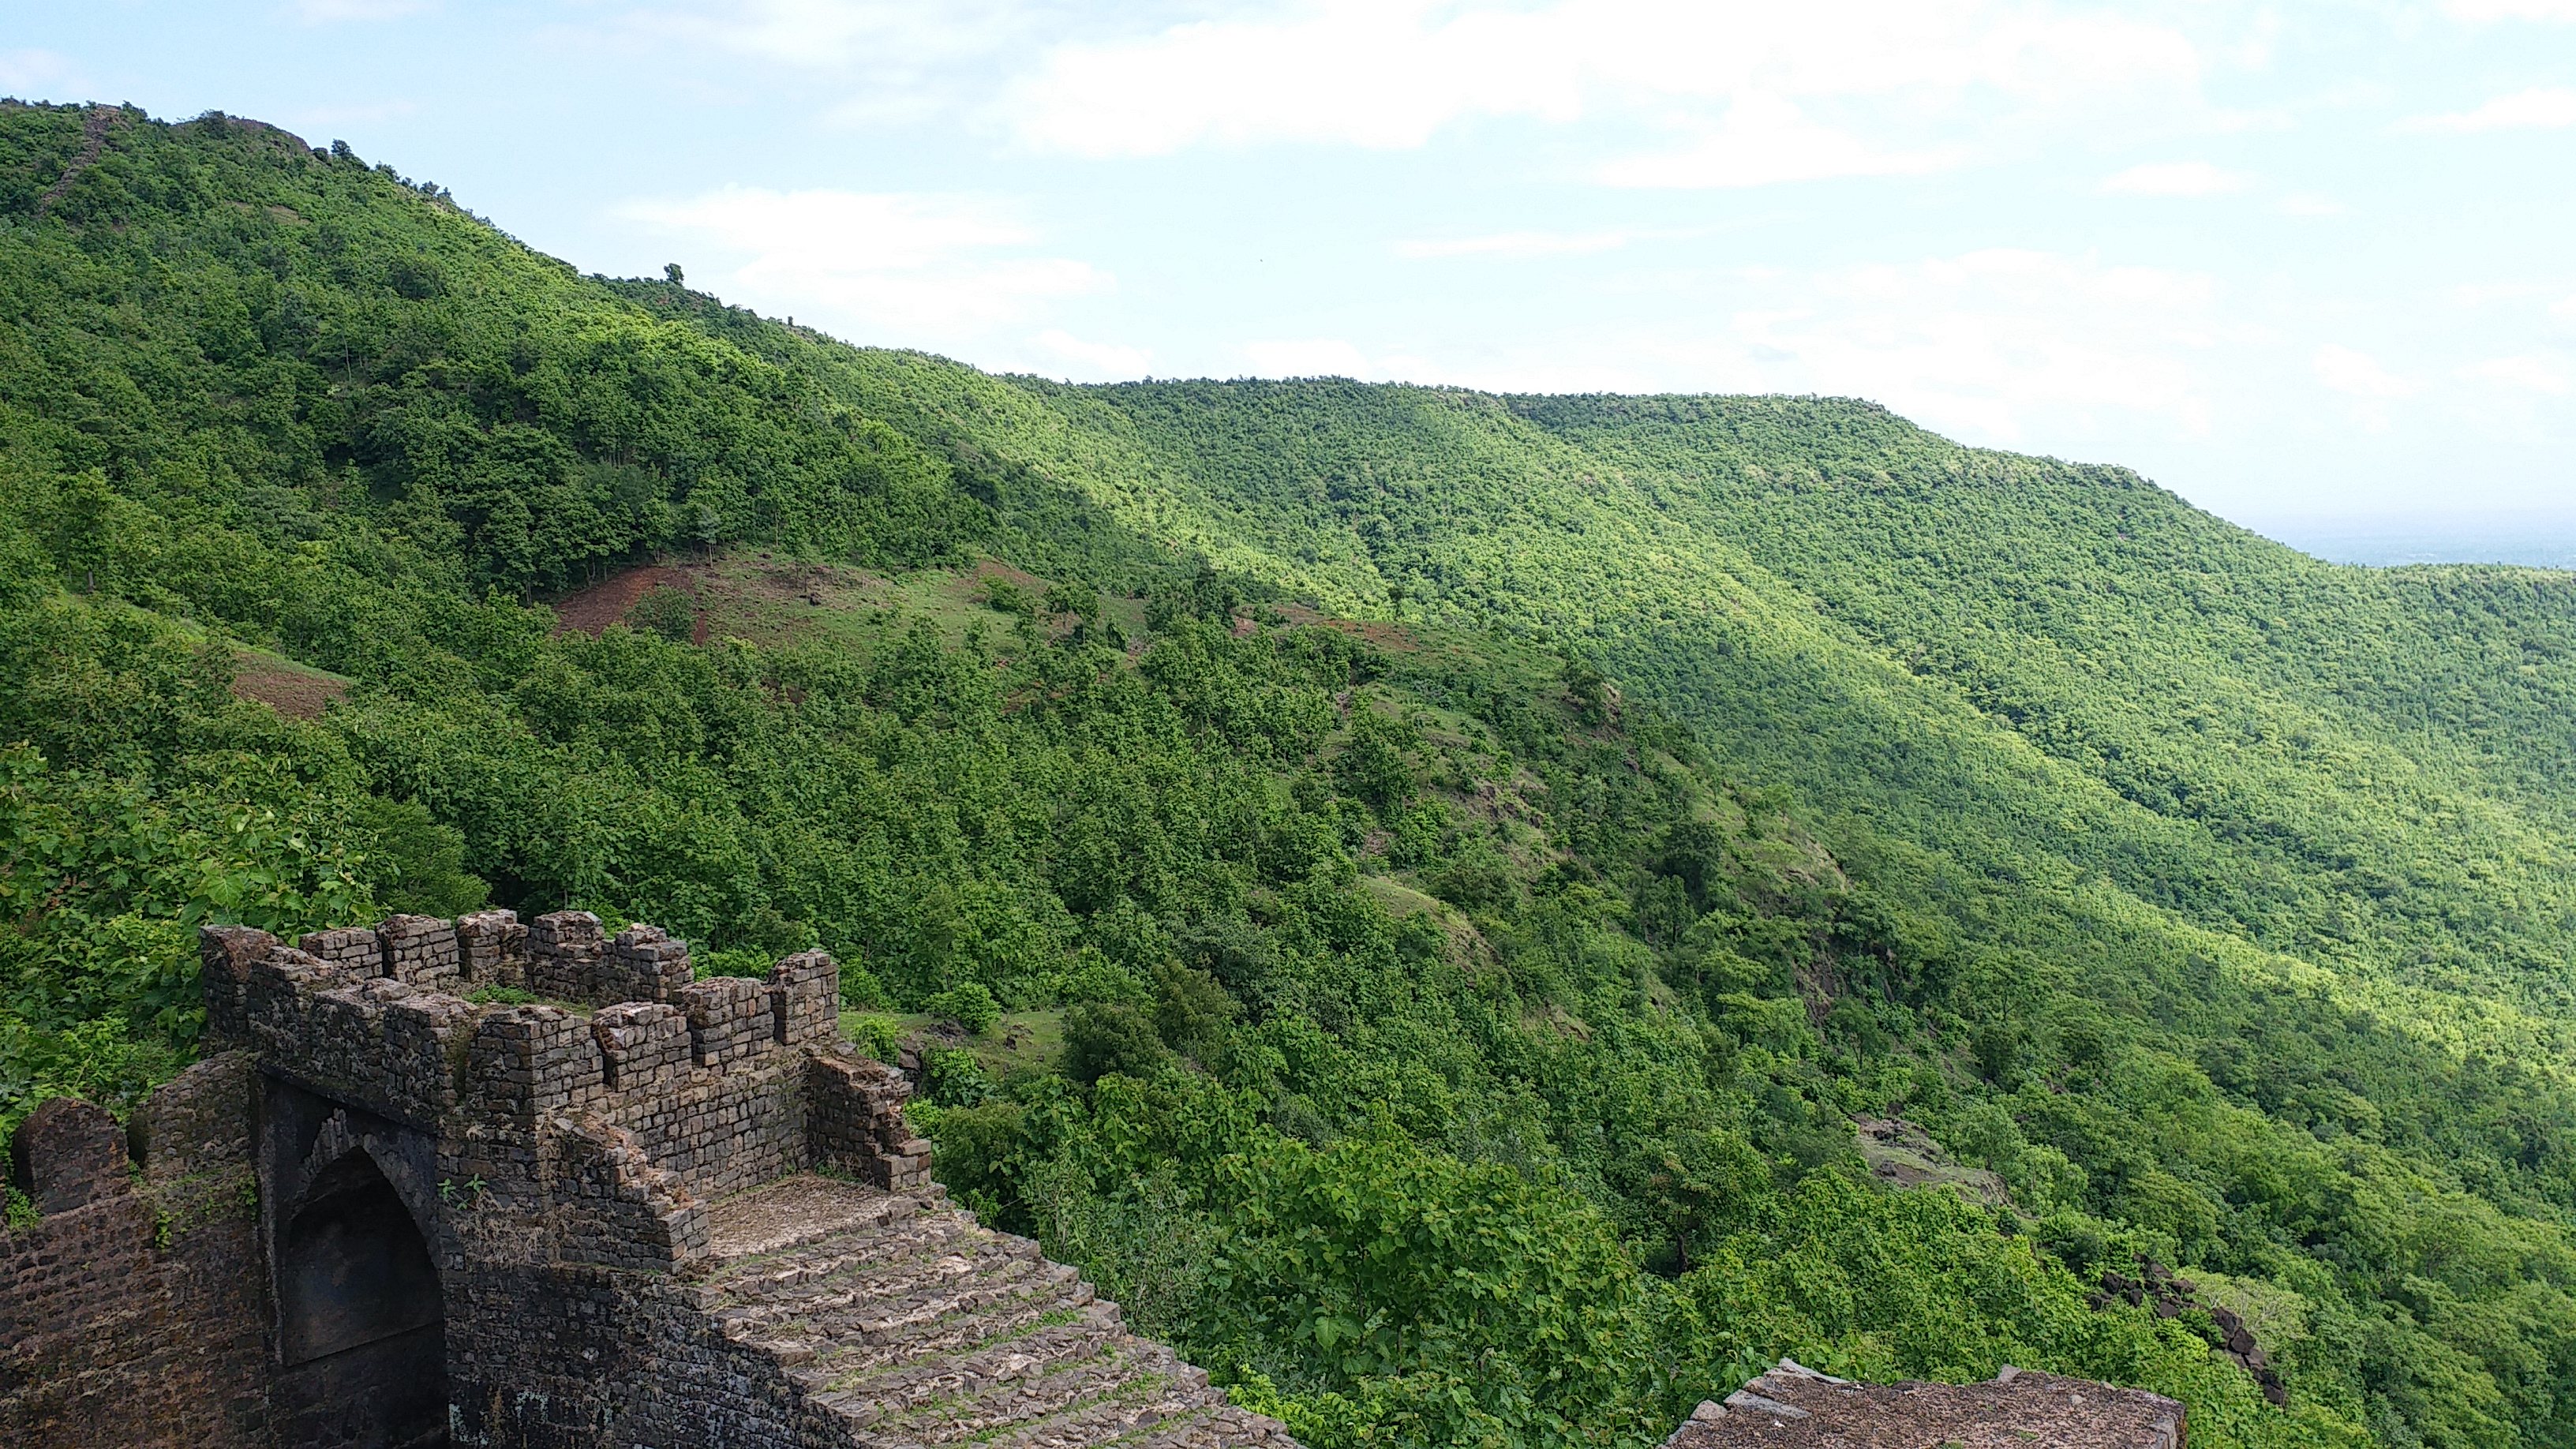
[(914, 1326)]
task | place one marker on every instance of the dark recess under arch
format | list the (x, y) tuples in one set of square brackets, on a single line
[(361, 1326)]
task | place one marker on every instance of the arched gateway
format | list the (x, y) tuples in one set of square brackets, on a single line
[(361, 1321)]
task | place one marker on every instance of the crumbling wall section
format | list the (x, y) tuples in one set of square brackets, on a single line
[(133, 1311), (709, 1085), (626, 1212), (854, 1106), (369, 1039)]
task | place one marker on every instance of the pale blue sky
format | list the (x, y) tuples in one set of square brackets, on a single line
[(2295, 261)]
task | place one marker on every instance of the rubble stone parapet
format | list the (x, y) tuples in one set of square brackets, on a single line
[(1794, 1407)]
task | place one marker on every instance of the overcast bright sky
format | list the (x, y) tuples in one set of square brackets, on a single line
[(2292, 260)]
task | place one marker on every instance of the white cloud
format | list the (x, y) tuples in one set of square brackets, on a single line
[(1094, 361), (1308, 357), (1392, 73), (2175, 178), (2532, 372), (914, 265), (2486, 10), (1764, 140), (36, 74), (326, 12), (1992, 342), (2539, 107), (2358, 374), (1519, 244), (825, 34)]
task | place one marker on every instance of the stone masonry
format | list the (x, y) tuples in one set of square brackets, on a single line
[(1794, 1407), (646, 1211)]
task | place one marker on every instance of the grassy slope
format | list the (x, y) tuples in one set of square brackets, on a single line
[(2006, 656)]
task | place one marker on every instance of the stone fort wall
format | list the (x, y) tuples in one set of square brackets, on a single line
[(133, 1311), (559, 1159)]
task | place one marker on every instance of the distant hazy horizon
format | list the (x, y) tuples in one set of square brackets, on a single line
[(2532, 540)]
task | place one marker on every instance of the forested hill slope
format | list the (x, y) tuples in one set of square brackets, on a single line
[(1462, 862)]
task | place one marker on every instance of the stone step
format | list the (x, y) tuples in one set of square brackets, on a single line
[(813, 1270), (934, 1307), (926, 1257), (805, 1210), (976, 1395), (1146, 1389), (1222, 1427), (1042, 1326), (918, 1328)]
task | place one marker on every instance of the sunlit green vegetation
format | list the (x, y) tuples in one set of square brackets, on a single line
[(1451, 1023)]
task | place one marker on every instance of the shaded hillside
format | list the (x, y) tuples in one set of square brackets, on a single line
[(1454, 1025)]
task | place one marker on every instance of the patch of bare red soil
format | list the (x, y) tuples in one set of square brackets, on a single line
[(1385, 636), (604, 603), (288, 691), (1378, 632)]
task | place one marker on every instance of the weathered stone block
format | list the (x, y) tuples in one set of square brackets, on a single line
[(643, 1046), (225, 955), (528, 1061), (198, 1122), (854, 1119), (621, 1210), (644, 963), (564, 953), (353, 948), (68, 1154), (805, 999), (492, 949), (421, 950), (728, 1019)]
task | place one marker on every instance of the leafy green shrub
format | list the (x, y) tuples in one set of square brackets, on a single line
[(955, 1077), (1192, 1012), (419, 862), (501, 996), (731, 961), (668, 612), (879, 1036), (1102, 1037), (1005, 597), (859, 985), (970, 1004), (1455, 1303), (1372, 765)]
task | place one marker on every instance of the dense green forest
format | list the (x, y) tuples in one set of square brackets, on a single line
[(1469, 858)]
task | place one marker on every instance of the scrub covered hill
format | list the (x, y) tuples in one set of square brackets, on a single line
[(1477, 854)]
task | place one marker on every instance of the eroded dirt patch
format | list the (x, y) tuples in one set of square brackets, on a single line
[(607, 602), (284, 686)]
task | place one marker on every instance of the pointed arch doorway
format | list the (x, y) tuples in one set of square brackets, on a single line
[(362, 1342)]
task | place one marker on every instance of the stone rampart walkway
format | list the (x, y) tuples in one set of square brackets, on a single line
[(914, 1325)]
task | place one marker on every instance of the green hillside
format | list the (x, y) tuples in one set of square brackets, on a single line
[(1467, 859)]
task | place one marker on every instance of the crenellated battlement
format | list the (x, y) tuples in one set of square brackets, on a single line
[(616, 1109), (370, 1014)]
